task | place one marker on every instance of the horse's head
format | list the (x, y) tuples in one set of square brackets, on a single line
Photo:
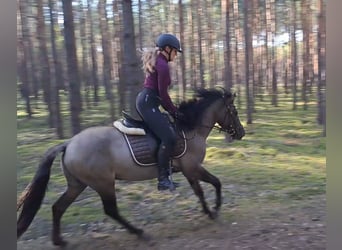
[(221, 110), (227, 117)]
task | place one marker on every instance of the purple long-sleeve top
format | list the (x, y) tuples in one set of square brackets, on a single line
[(160, 80)]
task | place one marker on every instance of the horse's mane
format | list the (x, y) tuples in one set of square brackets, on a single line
[(194, 108)]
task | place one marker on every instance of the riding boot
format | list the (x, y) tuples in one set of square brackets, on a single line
[(176, 184), (163, 170), (163, 180)]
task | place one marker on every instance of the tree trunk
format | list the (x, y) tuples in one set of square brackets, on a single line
[(73, 75), (306, 50), (228, 72), (28, 71), (274, 55), (267, 38), (321, 82), (182, 85), (84, 46), (131, 67), (192, 48), (199, 43), (118, 34), (248, 59), (238, 38), (54, 69), (294, 54), (107, 57), (45, 77), (23, 76), (94, 64)]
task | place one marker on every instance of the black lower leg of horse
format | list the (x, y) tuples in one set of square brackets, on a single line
[(58, 209), (209, 178), (110, 208), (199, 192)]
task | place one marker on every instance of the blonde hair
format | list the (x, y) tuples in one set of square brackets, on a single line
[(148, 58)]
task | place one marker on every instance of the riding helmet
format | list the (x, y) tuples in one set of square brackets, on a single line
[(168, 40)]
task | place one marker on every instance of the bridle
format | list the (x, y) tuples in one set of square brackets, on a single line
[(231, 128)]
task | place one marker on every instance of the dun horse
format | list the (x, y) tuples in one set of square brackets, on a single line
[(97, 156)]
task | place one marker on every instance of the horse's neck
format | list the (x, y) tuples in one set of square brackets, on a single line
[(207, 123)]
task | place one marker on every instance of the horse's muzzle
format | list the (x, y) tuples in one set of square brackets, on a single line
[(237, 133)]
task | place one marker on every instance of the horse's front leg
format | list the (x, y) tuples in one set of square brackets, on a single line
[(213, 180), (199, 192)]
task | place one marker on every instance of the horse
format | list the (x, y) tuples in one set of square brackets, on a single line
[(99, 155)]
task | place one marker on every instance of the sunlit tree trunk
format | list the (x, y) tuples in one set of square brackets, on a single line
[(267, 39), (248, 59), (306, 50), (294, 54), (258, 58)]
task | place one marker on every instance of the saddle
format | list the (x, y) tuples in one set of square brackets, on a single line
[(142, 143)]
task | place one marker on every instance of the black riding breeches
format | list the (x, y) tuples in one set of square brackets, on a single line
[(147, 104)]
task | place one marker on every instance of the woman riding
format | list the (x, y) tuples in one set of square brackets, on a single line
[(154, 94)]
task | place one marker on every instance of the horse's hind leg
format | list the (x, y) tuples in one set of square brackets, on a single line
[(60, 206), (110, 208), (108, 197)]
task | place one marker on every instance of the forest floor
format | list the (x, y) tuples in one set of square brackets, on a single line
[(273, 188), (296, 225)]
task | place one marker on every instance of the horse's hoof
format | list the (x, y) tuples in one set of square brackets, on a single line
[(213, 215), (59, 242), (139, 232), (145, 237)]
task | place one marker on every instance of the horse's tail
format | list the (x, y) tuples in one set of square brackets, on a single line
[(32, 197)]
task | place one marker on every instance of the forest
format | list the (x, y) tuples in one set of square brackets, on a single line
[(78, 65), (79, 49)]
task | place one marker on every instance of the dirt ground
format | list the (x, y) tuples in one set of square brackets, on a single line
[(297, 225)]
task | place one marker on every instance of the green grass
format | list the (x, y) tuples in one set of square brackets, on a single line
[(281, 160)]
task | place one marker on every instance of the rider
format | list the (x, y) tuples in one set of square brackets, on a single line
[(154, 94)]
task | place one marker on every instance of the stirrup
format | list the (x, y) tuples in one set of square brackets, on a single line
[(162, 185)]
